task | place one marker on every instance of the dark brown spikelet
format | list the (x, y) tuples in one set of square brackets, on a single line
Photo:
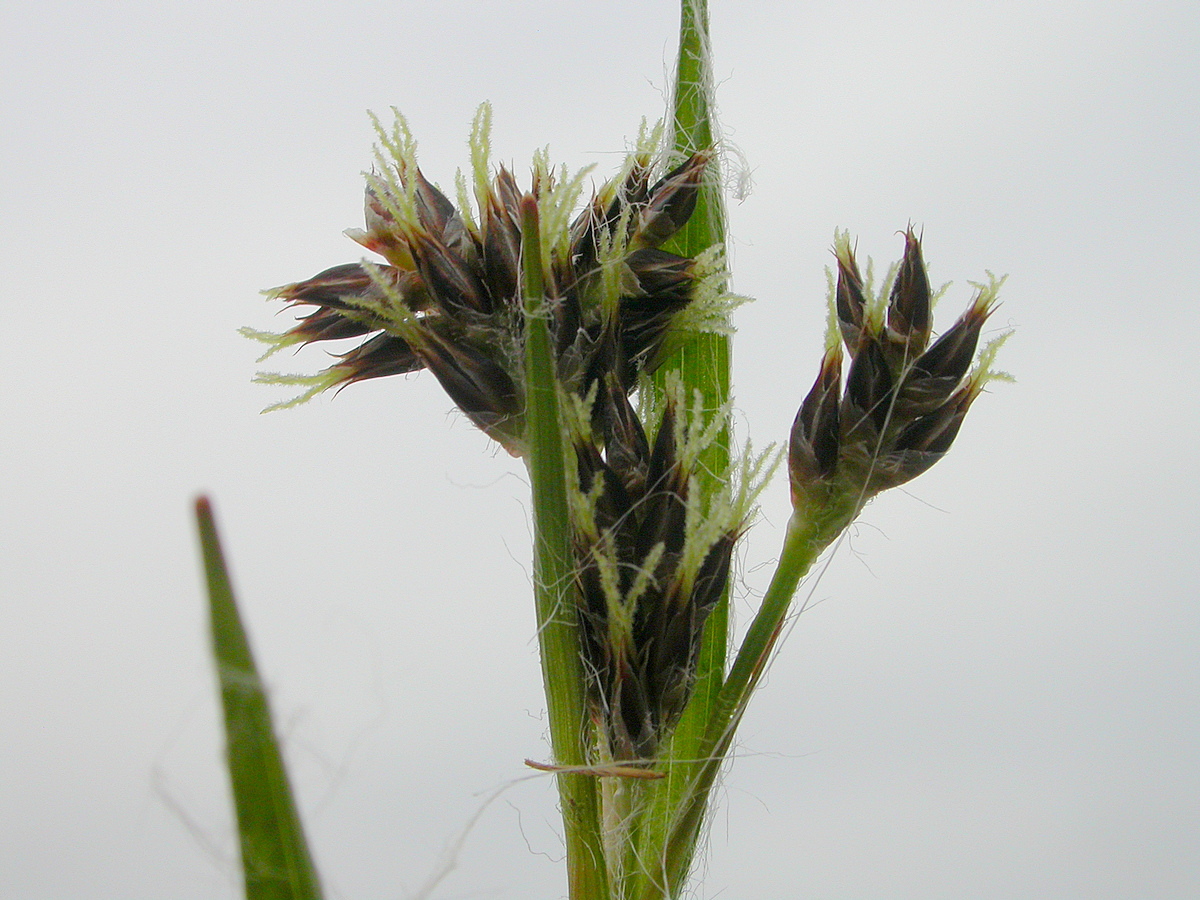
[(478, 385), (327, 324), (909, 312), (850, 303), (501, 240), (384, 354), (671, 202), (815, 440), (450, 280), (866, 407)]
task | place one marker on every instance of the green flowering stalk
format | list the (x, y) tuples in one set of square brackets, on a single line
[(904, 399), (902, 406), (540, 319), (590, 338)]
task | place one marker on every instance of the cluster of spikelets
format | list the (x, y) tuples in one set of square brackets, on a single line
[(652, 560), (651, 557), (448, 299), (904, 398)]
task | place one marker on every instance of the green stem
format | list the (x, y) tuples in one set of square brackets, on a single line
[(806, 537), (562, 668), (703, 364)]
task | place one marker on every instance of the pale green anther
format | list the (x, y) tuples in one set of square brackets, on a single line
[(396, 189), (618, 617), (314, 384), (610, 257), (983, 371), (480, 144), (649, 141), (712, 305), (274, 341), (464, 201), (645, 575)]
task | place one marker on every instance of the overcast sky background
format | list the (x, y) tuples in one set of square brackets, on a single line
[(995, 694)]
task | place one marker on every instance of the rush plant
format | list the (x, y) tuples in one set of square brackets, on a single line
[(588, 335)]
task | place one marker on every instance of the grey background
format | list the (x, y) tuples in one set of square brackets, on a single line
[(994, 691)]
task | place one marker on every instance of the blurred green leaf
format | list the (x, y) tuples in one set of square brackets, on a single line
[(275, 856)]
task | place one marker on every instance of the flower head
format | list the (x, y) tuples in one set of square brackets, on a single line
[(652, 561), (447, 296), (904, 398)]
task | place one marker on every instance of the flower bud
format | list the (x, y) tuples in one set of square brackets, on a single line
[(671, 203), (382, 355), (816, 431), (450, 281), (909, 317), (849, 300)]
